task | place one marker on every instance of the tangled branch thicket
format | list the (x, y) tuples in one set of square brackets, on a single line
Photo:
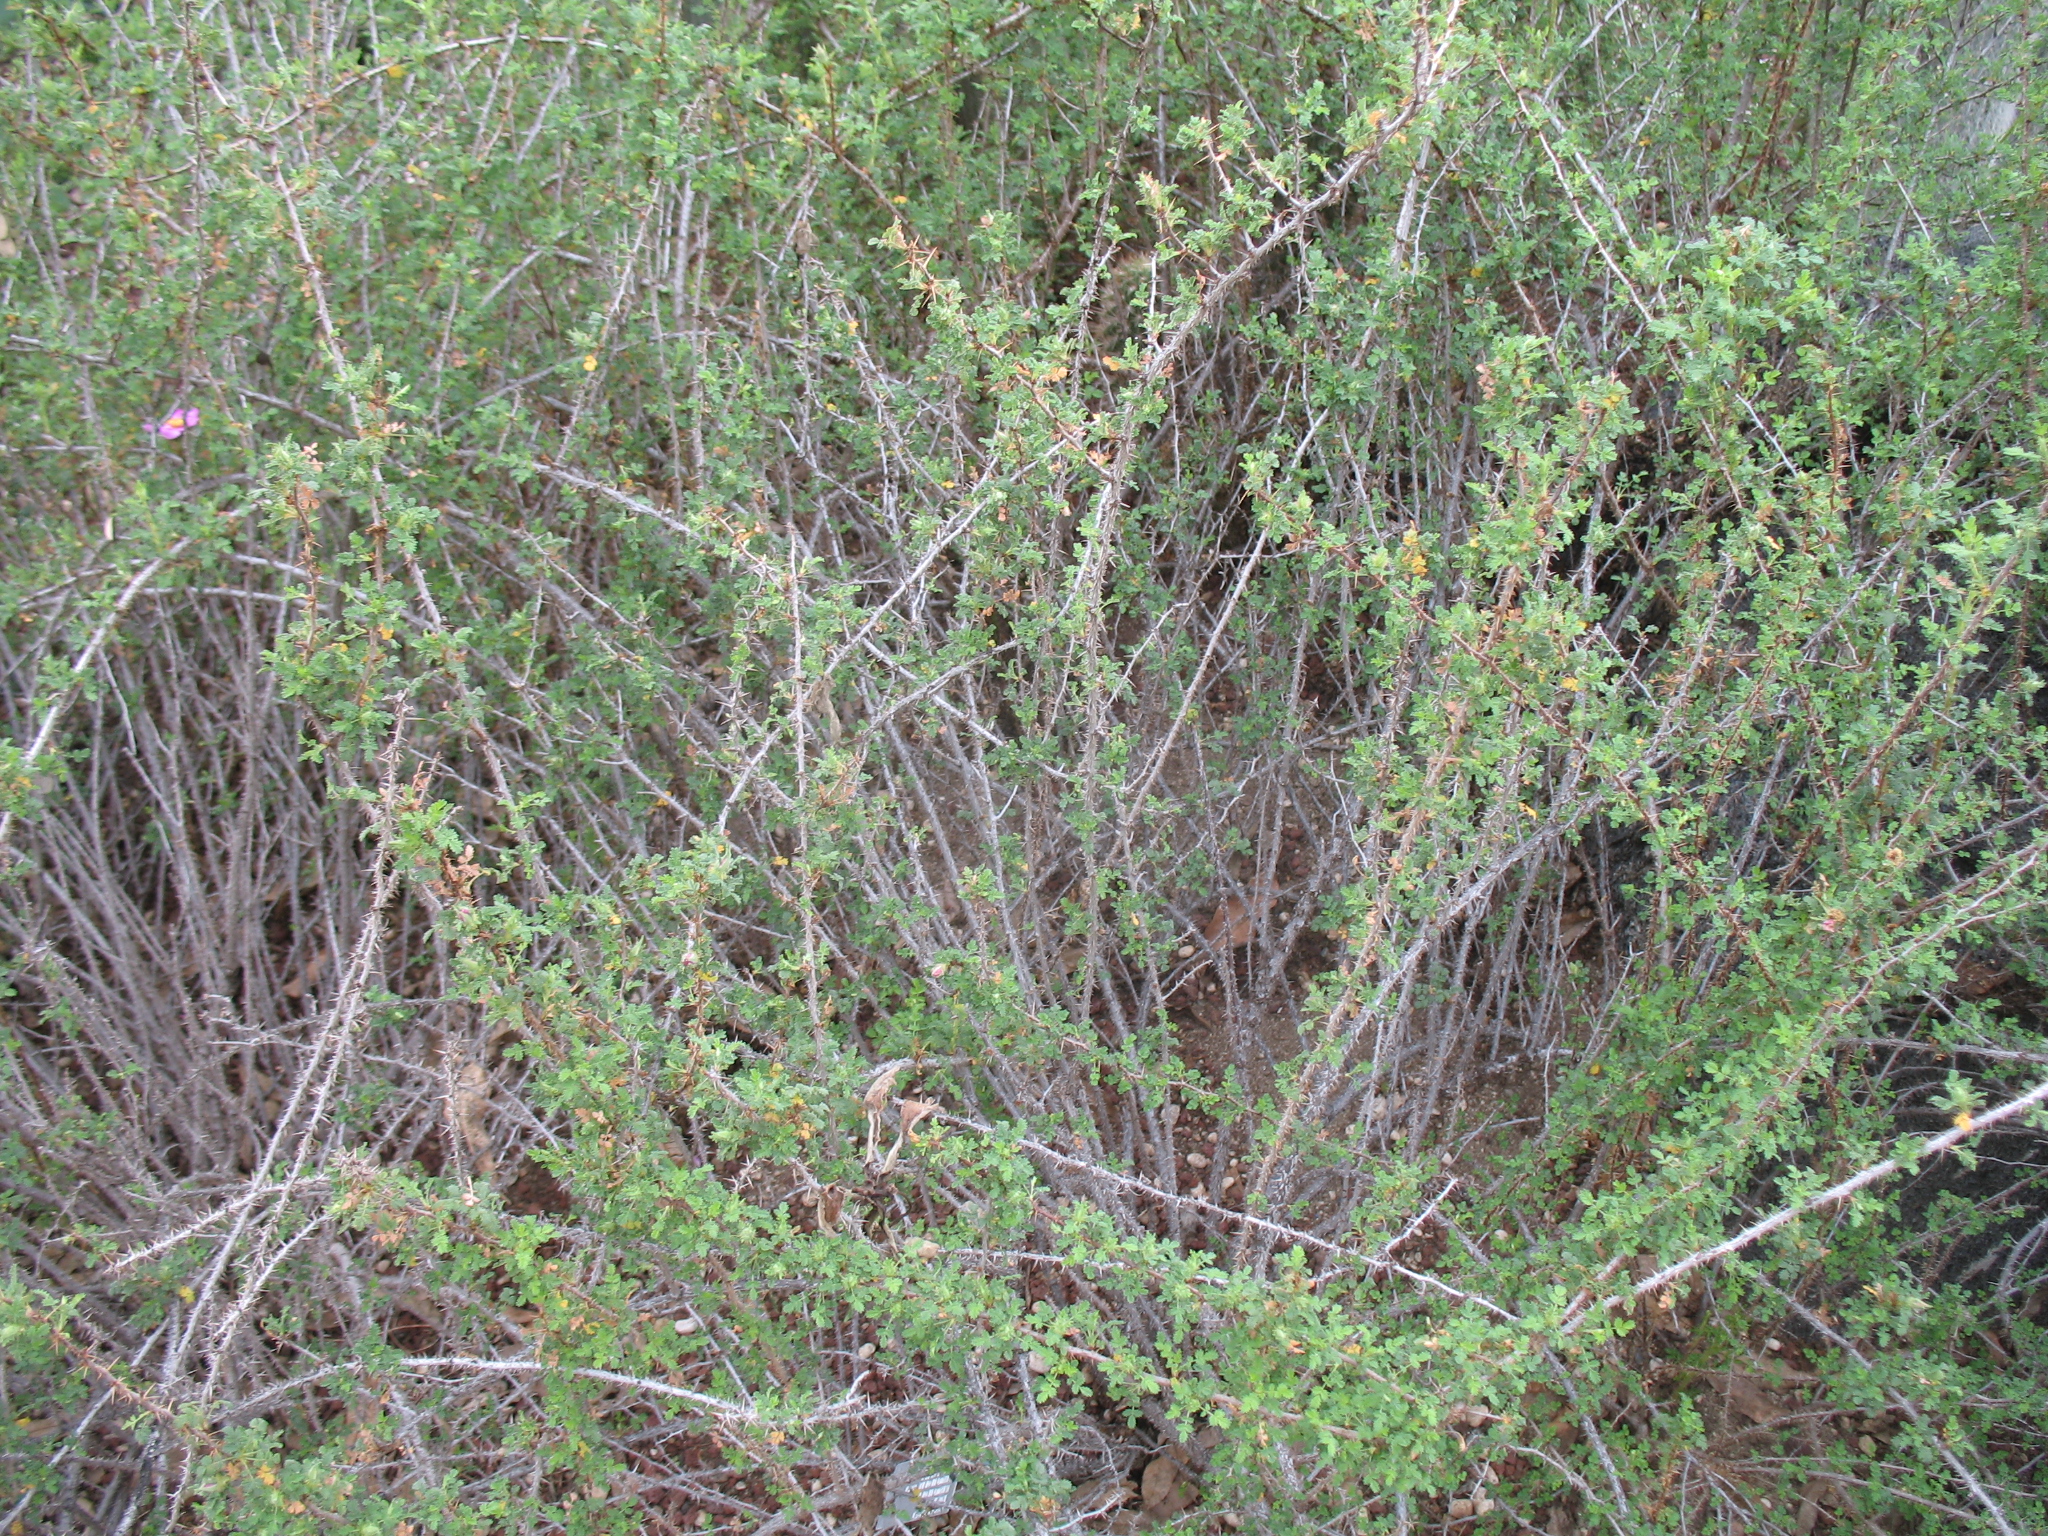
[(1024, 766)]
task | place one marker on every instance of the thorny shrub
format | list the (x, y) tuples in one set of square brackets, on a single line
[(1030, 766)]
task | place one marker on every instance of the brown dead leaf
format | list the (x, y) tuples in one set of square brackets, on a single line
[(1974, 978), (1161, 1478), (308, 975), (831, 1200), (912, 1111), (459, 875), (1751, 1401), (469, 1106), (1574, 926), (1237, 915), (1167, 1487), (867, 1508)]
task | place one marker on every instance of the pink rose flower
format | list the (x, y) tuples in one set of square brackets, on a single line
[(175, 425)]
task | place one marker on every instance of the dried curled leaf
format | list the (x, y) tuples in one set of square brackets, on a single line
[(458, 875), (884, 1083)]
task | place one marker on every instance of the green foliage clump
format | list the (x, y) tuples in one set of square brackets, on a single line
[(1022, 766)]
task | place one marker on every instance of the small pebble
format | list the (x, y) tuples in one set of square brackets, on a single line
[(866, 1351), (686, 1325), (1196, 1160)]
